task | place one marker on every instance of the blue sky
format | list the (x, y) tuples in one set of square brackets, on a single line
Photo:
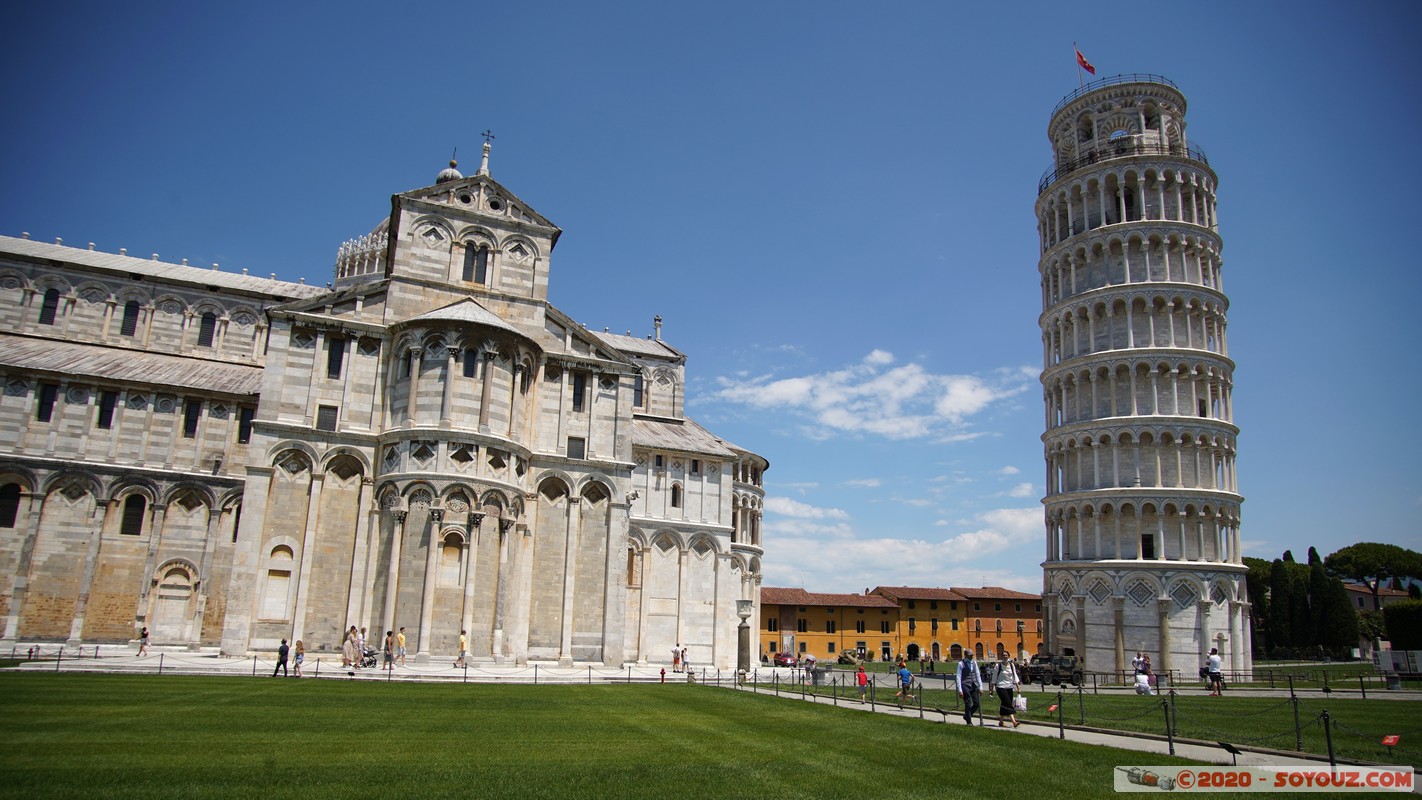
[(830, 204)]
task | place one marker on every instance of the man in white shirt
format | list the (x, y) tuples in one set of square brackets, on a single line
[(1215, 668)]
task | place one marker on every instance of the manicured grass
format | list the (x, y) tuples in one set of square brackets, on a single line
[(123, 736), (1357, 725)]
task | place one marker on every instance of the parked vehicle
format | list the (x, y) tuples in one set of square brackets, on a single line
[(1045, 669), (785, 660)]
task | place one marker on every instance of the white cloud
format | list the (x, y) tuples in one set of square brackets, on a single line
[(1021, 490), (784, 506), (797, 555), (864, 483), (880, 398), (1009, 470), (1004, 528)]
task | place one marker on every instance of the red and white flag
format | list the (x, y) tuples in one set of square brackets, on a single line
[(1083, 63)]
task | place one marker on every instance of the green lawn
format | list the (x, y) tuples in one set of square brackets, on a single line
[(1357, 725), (121, 736)]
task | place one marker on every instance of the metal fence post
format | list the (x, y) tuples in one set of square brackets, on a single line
[(1174, 715), (1169, 737), (1061, 722), (535, 674), (318, 668), (1363, 686), (58, 657), (160, 663), (1081, 702), (254, 666), (1298, 730), (1328, 736)]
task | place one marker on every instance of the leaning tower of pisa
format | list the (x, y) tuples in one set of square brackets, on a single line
[(1142, 506)]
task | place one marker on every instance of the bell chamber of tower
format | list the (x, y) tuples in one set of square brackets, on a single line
[(1142, 505)]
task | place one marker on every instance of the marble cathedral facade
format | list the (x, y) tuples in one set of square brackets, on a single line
[(426, 443)]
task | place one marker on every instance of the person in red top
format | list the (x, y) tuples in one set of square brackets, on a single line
[(862, 680)]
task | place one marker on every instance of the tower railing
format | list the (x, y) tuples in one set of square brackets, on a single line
[(1134, 77), (1125, 147)]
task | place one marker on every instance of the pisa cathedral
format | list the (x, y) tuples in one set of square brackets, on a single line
[(1142, 505), (426, 443)]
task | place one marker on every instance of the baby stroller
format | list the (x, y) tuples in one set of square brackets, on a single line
[(367, 659)]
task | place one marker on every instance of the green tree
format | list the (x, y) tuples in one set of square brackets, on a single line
[(1339, 621), (1404, 624), (1371, 563), (1370, 625), (1256, 584), (1281, 593), (1300, 615)]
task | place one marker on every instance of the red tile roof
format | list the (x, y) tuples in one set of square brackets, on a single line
[(770, 595), (995, 593), (917, 593)]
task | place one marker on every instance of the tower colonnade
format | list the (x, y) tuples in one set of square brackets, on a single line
[(1142, 499)]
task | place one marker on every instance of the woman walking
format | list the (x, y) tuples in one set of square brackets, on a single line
[(300, 657), (1005, 681), (349, 656)]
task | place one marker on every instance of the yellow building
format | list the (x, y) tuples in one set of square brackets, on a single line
[(1001, 620), (932, 621), (824, 625)]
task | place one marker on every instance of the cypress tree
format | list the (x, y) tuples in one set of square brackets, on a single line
[(1281, 592)]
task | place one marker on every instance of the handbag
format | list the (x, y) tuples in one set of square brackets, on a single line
[(1019, 703)]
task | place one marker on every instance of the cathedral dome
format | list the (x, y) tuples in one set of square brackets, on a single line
[(449, 174)]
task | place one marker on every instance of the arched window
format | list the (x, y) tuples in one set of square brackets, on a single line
[(476, 263), (134, 509), (50, 307), (206, 330), (9, 504), (676, 495), (130, 319)]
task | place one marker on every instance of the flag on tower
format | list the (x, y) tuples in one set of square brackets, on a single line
[(1083, 63)]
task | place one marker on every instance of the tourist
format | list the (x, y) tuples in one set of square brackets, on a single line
[(1005, 681), (349, 657), (390, 650), (861, 679), (143, 642), (461, 662), (400, 645), (676, 657), (905, 682), (361, 644), (970, 686), (1215, 668), (300, 657), (685, 662), (281, 660)]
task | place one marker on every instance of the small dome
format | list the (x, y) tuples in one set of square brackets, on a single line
[(450, 174)]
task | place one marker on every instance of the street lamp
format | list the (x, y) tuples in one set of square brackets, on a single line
[(1021, 642), (744, 609)]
